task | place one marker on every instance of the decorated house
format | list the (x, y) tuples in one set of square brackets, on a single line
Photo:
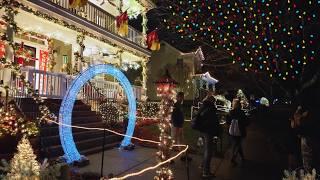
[(55, 40), (181, 66), (52, 32)]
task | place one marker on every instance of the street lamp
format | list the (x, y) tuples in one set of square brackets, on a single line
[(165, 90), (165, 85)]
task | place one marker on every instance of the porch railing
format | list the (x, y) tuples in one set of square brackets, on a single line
[(55, 85), (100, 17)]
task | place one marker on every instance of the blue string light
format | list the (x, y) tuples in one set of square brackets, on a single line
[(71, 152)]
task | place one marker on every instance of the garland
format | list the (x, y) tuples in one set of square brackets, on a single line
[(10, 7), (79, 58), (51, 56), (72, 27), (79, 54)]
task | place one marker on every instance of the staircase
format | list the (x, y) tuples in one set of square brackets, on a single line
[(87, 141)]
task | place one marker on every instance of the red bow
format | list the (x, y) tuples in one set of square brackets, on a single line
[(153, 41), (2, 49), (122, 18), (77, 3)]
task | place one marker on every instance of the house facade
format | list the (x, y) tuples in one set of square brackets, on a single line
[(49, 37), (181, 66)]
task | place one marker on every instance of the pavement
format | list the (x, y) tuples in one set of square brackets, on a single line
[(262, 161)]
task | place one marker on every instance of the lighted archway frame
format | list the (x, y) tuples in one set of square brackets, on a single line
[(71, 152)]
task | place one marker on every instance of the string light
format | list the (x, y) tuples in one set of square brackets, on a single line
[(242, 98), (109, 112), (66, 138), (13, 124), (70, 26), (52, 61), (24, 164), (46, 115), (79, 54), (132, 137), (148, 110), (165, 89), (10, 7), (154, 167), (259, 35)]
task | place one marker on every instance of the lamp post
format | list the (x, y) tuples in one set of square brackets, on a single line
[(165, 90)]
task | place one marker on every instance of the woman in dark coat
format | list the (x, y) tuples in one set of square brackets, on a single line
[(237, 114), (209, 128)]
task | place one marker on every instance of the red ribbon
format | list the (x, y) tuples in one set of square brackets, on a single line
[(152, 37), (122, 18)]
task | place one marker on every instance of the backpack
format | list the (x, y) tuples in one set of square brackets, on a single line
[(234, 128)]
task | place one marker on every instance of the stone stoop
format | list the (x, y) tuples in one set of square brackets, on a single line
[(87, 141)]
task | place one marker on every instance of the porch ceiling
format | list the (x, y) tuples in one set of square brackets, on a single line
[(29, 22), (90, 27)]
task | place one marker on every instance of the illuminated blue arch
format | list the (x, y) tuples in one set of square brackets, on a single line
[(65, 113)]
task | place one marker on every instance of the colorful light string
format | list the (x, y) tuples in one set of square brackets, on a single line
[(277, 37)]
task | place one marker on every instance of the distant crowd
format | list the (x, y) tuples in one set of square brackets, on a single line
[(207, 122), (303, 144)]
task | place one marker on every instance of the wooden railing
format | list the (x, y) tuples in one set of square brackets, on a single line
[(51, 85), (55, 85), (112, 89), (100, 17)]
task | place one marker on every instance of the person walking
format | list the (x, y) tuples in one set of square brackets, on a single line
[(305, 122), (206, 121), (237, 122), (177, 120)]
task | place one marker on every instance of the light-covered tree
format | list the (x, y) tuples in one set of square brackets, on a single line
[(243, 99), (24, 163)]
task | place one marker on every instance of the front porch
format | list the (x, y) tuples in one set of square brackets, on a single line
[(54, 86), (51, 50)]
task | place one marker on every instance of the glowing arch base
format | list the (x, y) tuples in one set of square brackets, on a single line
[(71, 152)]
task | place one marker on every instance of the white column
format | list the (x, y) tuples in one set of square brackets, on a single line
[(144, 75), (144, 27)]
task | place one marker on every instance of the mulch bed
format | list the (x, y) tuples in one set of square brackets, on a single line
[(144, 133)]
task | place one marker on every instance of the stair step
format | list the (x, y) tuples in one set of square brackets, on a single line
[(77, 136), (29, 105), (88, 119), (75, 108), (90, 143), (99, 148), (57, 150), (87, 141), (76, 113), (52, 130)]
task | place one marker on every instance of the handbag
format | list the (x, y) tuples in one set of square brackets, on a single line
[(234, 128)]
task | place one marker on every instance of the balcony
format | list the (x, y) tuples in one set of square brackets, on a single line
[(95, 18)]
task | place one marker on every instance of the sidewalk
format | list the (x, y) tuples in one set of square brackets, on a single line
[(262, 162)]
